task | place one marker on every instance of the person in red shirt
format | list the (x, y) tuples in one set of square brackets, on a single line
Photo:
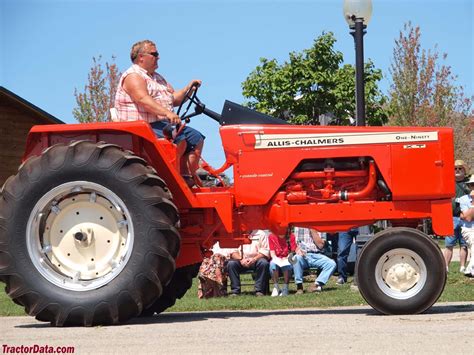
[(279, 250)]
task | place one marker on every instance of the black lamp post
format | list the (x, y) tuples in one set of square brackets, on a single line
[(357, 14)]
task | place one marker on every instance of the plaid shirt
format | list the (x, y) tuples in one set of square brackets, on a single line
[(158, 88), (305, 241)]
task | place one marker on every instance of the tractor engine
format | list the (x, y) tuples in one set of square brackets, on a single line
[(334, 180)]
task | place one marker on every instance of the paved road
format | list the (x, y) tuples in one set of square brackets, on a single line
[(447, 328)]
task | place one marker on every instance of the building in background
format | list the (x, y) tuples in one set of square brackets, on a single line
[(17, 116)]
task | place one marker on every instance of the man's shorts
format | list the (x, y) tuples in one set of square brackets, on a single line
[(190, 135), (457, 237)]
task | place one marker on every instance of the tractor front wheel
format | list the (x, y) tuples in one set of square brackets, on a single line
[(401, 271)]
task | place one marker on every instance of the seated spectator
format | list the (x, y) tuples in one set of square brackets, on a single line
[(466, 204), (309, 246), (253, 257), (212, 278), (279, 251)]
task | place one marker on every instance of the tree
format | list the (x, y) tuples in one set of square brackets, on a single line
[(93, 105), (311, 84), (423, 91)]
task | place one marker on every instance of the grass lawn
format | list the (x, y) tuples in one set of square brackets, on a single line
[(7, 307), (458, 289)]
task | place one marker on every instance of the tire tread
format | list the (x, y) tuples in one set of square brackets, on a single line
[(163, 238)]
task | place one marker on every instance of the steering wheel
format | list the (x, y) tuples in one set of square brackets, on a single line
[(170, 131), (190, 95)]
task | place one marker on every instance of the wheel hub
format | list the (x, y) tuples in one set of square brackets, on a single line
[(80, 236), (400, 273)]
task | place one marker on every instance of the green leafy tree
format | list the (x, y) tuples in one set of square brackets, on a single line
[(313, 83), (93, 105), (423, 91)]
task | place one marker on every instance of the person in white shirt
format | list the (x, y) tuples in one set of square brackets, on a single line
[(254, 256)]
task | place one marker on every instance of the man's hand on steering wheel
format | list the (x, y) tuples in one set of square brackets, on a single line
[(173, 118), (195, 83), (190, 96)]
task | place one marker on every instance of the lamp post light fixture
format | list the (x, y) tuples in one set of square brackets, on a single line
[(357, 14)]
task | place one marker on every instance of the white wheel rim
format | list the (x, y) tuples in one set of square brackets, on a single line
[(80, 236), (400, 273)]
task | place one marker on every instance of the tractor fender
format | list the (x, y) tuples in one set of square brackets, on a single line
[(136, 136)]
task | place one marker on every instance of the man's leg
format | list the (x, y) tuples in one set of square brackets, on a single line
[(190, 160), (193, 158), (298, 268), (344, 244), (182, 156), (234, 268), (262, 277), (450, 243), (448, 255), (323, 263)]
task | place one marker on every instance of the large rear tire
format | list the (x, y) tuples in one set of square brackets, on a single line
[(87, 235), (401, 271)]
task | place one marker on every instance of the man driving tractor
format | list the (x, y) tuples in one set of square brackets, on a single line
[(143, 94)]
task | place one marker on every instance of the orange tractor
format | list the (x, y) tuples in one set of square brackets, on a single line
[(98, 225)]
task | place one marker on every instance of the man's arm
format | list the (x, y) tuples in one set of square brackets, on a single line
[(235, 255), (273, 254), (179, 95), (468, 215), (467, 209), (247, 262), (259, 256), (317, 239), (135, 86)]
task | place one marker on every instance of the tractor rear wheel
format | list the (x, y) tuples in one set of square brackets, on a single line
[(87, 235), (180, 283), (401, 271)]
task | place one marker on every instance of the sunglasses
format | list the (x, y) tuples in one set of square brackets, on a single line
[(458, 169), (154, 54)]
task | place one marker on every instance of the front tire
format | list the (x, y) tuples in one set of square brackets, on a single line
[(401, 271), (87, 235)]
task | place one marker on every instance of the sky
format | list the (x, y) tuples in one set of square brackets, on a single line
[(47, 46)]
